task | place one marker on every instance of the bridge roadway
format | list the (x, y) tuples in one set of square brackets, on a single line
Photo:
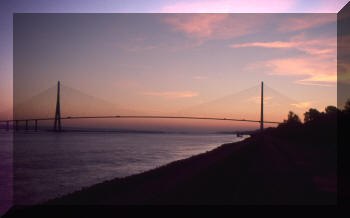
[(138, 117)]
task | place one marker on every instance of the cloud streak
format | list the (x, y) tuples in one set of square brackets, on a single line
[(322, 46), (275, 44), (305, 104)]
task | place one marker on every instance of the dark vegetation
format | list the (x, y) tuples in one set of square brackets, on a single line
[(318, 129)]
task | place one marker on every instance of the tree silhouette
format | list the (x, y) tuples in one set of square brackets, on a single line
[(331, 110), (312, 114), (292, 118)]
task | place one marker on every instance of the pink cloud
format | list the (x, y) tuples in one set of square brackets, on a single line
[(315, 71), (302, 22), (172, 94), (322, 46), (317, 66), (229, 6), (275, 44), (203, 27)]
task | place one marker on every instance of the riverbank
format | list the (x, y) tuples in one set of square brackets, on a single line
[(258, 170)]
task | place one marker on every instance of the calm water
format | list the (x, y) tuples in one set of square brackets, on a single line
[(47, 165)]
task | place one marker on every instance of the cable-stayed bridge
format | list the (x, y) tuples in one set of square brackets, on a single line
[(27, 123)]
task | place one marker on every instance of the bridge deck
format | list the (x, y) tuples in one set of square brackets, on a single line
[(141, 117)]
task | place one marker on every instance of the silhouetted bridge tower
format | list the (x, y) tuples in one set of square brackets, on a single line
[(57, 124), (262, 108), (57, 127)]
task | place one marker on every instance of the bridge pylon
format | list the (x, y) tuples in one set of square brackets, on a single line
[(57, 123), (262, 108)]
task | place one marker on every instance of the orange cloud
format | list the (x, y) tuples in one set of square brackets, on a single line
[(305, 104), (173, 94)]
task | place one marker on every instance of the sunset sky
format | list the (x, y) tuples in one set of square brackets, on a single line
[(169, 62)]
